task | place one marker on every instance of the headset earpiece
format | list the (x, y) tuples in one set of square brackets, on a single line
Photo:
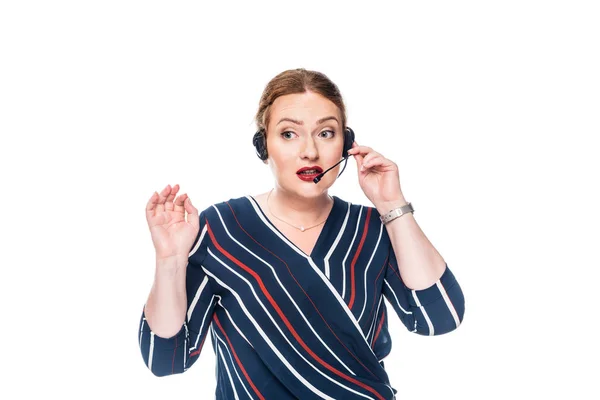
[(260, 143), (348, 140)]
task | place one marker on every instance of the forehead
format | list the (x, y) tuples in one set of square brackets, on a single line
[(307, 106)]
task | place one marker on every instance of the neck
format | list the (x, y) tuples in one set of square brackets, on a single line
[(298, 209)]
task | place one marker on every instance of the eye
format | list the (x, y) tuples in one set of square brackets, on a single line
[(288, 134), (285, 134)]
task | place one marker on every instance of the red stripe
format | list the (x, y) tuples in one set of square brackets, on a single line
[(307, 296), (396, 273), (285, 320), (375, 291), (216, 319), (360, 245), (378, 328)]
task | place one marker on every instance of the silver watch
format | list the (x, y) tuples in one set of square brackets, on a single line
[(396, 212)]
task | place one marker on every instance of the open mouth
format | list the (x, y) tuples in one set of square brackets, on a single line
[(309, 171)]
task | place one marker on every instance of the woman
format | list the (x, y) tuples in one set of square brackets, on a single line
[(291, 282)]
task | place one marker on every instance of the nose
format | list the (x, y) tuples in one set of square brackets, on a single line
[(309, 149)]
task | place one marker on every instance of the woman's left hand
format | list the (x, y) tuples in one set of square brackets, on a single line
[(378, 178)]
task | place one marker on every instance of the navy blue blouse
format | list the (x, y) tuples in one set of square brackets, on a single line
[(287, 325)]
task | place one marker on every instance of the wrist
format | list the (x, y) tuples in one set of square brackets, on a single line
[(171, 263), (387, 206)]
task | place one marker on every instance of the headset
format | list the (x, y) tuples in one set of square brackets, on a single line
[(260, 143)]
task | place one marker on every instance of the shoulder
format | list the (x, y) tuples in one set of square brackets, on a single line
[(359, 209), (227, 208)]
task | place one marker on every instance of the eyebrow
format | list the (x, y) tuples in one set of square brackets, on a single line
[(302, 123)]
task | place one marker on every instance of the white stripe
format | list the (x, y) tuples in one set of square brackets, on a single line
[(151, 352), (429, 324), (204, 319), (185, 342), (228, 373), (335, 243), (142, 330), (233, 365), (333, 353), (268, 341), (448, 303), (214, 342), (232, 322), (367, 270), (196, 297), (199, 242), (212, 332), (348, 252), (397, 301)]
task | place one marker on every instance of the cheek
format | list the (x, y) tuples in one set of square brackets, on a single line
[(283, 155), (282, 161), (335, 155)]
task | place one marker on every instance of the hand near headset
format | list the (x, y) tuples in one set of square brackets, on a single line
[(378, 177), (172, 235)]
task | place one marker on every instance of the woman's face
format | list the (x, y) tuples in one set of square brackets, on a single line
[(315, 139)]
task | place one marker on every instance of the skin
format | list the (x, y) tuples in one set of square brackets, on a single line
[(292, 146)]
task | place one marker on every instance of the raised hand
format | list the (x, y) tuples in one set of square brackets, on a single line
[(172, 235)]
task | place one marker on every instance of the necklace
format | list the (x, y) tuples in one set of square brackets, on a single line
[(301, 227)]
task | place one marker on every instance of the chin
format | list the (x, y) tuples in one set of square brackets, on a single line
[(308, 189)]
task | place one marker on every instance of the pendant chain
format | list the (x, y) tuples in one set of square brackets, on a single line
[(300, 228)]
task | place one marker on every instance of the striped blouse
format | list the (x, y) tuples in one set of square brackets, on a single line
[(288, 325)]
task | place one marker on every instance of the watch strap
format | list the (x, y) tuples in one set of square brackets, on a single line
[(396, 213)]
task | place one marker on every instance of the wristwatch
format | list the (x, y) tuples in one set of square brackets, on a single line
[(396, 212)]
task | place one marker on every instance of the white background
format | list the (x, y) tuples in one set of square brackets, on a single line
[(490, 109)]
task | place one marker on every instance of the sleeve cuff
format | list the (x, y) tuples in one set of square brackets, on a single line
[(433, 293), (171, 343)]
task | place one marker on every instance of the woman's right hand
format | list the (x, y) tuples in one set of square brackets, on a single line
[(172, 235)]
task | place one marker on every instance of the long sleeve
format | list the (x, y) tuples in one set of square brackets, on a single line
[(167, 356), (435, 310)]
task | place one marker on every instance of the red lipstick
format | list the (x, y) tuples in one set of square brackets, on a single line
[(309, 176)]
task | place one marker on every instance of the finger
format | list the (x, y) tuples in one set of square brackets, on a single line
[(162, 197), (370, 156), (151, 205), (356, 155), (192, 217), (169, 202), (179, 203), (374, 162), (360, 150)]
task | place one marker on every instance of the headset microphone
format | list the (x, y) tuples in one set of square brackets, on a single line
[(318, 177)]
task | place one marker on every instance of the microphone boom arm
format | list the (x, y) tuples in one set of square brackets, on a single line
[(318, 177)]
